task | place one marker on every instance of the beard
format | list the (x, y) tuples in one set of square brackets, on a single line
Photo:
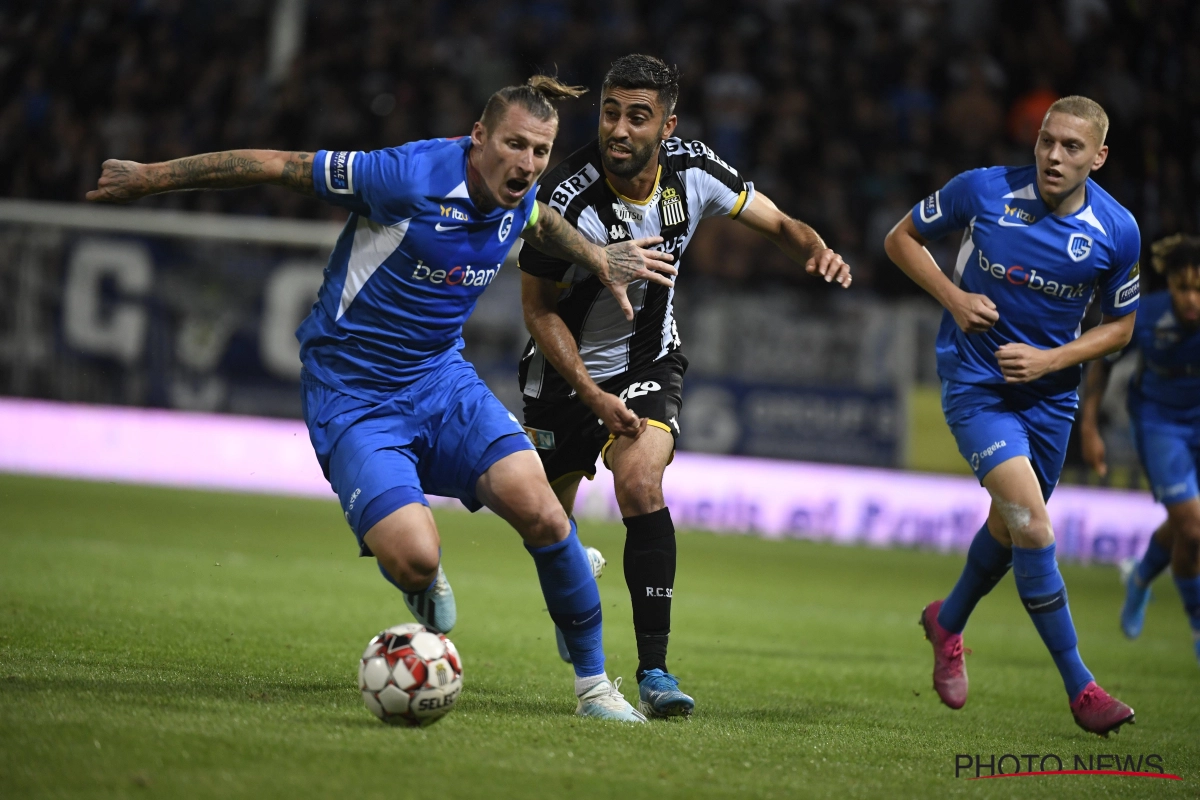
[(637, 161)]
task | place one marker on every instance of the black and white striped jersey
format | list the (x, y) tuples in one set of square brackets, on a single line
[(693, 183)]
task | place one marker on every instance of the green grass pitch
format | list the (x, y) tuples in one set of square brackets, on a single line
[(163, 643)]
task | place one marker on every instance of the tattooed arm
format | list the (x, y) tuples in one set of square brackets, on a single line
[(616, 265), (125, 181)]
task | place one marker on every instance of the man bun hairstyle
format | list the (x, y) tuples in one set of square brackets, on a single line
[(535, 96), (1083, 107), (638, 71), (1176, 252)]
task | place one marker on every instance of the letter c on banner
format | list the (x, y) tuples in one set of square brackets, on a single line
[(288, 296), (88, 326)]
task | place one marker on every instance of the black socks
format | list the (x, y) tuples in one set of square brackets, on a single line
[(650, 574)]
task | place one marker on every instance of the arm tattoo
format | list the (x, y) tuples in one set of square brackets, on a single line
[(298, 173), (554, 237), (233, 169)]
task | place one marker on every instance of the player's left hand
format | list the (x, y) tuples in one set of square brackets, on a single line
[(1020, 363), (634, 261), (830, 266)]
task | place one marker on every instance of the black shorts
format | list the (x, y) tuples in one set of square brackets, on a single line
[(569, 437)]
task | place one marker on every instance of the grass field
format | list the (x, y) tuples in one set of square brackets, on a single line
[(161, 643)]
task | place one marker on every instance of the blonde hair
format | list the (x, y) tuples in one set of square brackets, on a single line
[(535, 97), (1084, 108), (1175, 252)]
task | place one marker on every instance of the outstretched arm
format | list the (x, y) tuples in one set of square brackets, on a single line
[(539, 301), (617, 265), (796, 239), (1094, 384), (126, 181)]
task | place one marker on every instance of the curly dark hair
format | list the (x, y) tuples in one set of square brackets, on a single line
[(638, 71), (1175, 252)]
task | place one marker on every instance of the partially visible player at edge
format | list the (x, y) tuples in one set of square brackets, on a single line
[(393, 410), (1038, 240), (1164, 409), (599, 384)]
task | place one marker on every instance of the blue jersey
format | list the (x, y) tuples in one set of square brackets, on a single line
[(408, 268), (1168, 375), (1038, 268)]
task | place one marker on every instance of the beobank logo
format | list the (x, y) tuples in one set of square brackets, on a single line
[(455, 276), (1030, 279)]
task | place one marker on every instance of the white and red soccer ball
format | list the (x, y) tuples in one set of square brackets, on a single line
[(410, 676)]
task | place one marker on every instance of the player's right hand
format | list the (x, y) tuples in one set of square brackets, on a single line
[(974, 313), (616, 416), (120, 182), (1093, 449), (635, 261)]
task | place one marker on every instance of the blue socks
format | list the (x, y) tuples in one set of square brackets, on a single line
[(1044, 595), (1189, 592), (573, 601), (987, 562), (1153, 562)]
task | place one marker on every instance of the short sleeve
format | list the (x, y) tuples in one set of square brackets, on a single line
[(373, 183), (949, 208), (720, 189), (1121, 286)]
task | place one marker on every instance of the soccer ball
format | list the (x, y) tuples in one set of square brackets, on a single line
[(410, 676)]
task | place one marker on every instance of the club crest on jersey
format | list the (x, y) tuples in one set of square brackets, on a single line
[(670, 208), (505, 226), (1079, 246), (616, 233)]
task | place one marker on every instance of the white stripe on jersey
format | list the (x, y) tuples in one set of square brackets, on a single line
[(964, 252), (373, 243)]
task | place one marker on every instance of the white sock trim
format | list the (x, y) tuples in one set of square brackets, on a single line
[(585, 685)]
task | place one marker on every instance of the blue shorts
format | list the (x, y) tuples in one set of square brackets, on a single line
[(1170, 454), (995, 422), (436, 436)]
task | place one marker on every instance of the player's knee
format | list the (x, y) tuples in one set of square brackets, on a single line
[(412, 570), (1028, 527), (545, 525), (639, 493), (1185, 522)]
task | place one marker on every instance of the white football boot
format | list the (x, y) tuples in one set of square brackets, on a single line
[(434, 608), (605, 701), (598, 565)]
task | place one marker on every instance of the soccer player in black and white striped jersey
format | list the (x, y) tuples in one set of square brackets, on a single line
[(603, 379)]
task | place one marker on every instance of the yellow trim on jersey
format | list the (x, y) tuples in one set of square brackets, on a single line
[(570, 476), (649, 197), (533, 215), (612, 437), (737, 207)]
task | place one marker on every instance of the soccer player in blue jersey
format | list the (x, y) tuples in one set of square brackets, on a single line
[(393, 410), (1164, 408), (1037, 240)]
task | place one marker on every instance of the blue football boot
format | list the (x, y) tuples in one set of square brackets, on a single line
[(1133, 613), (659, 696)]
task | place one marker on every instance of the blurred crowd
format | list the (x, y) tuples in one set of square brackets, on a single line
[(844, 111)]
